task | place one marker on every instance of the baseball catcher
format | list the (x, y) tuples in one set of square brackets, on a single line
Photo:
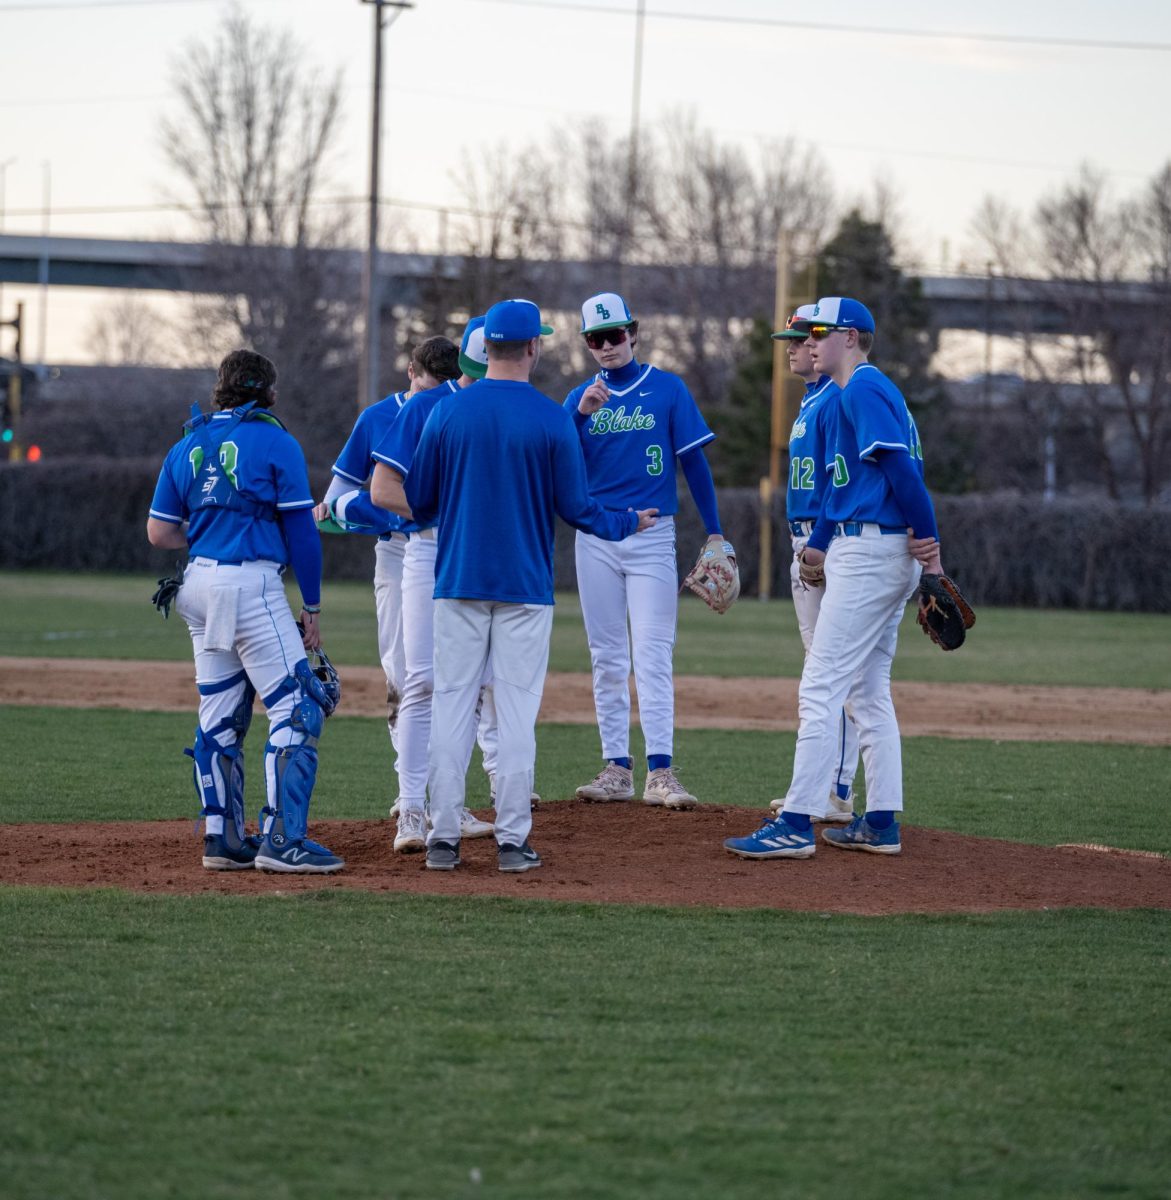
[(944, 614), (715, 578)]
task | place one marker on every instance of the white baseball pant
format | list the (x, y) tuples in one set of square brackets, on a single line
[(869, 579), (510, 642), (247, 601), (636, 579), (414, 713), (807, 602), (388, 609)]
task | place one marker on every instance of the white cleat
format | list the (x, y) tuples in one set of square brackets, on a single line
[(662, 788), (411, 835), (394, 810), (612, 782), (838, 811), (470, 826), (534, 798)]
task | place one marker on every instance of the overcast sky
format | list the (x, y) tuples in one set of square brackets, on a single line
[(945, 119)]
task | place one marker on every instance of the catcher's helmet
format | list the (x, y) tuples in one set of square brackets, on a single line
[(327, 676)]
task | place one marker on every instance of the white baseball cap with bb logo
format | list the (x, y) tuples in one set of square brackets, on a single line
[(607, 310)]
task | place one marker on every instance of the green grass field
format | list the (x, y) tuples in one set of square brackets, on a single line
[(349, 1045), (104, 616)]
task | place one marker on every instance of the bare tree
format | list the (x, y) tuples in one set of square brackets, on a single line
[(1091, 275), (128, 332), (252, 146)]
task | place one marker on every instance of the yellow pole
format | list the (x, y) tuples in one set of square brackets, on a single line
[(771, 482)]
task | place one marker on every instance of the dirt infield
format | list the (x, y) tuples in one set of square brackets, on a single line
[(632, 853), (625, 853), (973, 710)]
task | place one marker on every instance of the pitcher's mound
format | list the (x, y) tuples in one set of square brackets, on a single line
[(624, 853)]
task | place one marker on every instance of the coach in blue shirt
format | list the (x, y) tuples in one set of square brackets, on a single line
[(498, 460)]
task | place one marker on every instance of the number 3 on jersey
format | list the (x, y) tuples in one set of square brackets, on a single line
[(229, 452), (655, 455)]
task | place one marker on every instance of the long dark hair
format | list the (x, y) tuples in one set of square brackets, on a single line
[(244, 375)]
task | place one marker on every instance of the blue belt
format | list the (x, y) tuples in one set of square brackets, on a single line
[(798, 528), (389, 537), (854, 529)]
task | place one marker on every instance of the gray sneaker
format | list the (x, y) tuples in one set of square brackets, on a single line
[(662, 788), (612, 782), (442, 856), (411, 834), (518, 858)]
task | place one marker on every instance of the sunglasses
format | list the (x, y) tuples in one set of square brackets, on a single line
[(820, 332), (607, 337)]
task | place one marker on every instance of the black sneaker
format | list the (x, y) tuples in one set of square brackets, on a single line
[(442, 856), (518, 858)]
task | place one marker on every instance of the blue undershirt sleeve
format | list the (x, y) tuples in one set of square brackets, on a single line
[(823, 528), (910, 491), (304, 544), (703, 488), (361, 510)]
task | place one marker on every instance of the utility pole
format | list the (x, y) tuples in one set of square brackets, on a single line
[(632, 157), (3, 184), (371, 298)]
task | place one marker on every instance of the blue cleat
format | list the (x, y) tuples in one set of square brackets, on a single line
[(220, 854), (861, 835), (774, 839), (301, 857)]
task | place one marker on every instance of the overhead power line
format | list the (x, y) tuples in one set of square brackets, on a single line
[(57, 5), (712, 18)]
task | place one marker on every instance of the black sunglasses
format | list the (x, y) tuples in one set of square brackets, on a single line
[(607, 337)]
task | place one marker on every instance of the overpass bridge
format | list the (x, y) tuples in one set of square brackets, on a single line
[(992, 304)]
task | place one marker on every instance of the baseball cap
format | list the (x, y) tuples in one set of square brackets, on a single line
[(842, 313), (514, 321), (606, 310), (797, 326), (473, 354)]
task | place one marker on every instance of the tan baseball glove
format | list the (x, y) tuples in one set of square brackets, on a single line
[(715, 578)]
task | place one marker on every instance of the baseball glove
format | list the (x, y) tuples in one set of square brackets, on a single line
[(715, 578), (167, 590), (811, 574), (944, 614)]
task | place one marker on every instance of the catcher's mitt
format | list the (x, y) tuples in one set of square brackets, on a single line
[(167, 590), (944, 614), (715, 578)]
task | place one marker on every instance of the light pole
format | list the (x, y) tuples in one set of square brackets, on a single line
[(3, 184), (371, 299)]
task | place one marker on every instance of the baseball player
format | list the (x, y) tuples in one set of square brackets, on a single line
[(496, 461), (879, 515), (806, 490), (634, 422), (394, 455), (235, 492), (432, 363)]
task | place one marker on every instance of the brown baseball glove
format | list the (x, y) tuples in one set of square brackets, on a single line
[(715, 578), (811, 574), (944, 614)]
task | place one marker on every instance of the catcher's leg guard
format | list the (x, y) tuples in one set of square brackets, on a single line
[(290, 756), (219, 765)]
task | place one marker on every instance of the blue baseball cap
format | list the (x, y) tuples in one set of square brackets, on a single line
[(514, 321), (473, 354), (842, 313)]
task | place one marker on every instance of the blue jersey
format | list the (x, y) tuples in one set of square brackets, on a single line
[(264, 464), (397, 447), (870, 416), (496, 461), (807, 450), (355, 463), (631, 443)]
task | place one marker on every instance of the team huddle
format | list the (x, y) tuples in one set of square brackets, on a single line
[(472, 459)]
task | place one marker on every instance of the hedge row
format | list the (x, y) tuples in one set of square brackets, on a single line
[(89, 515)]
